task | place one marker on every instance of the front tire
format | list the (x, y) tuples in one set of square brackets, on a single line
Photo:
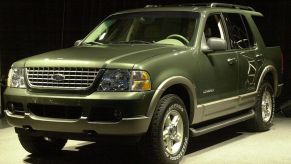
[(264, 108), (41, 145), (168, 135)]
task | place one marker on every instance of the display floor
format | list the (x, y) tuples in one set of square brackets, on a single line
[(229, 145)]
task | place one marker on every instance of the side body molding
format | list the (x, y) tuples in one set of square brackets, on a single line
[(175, 80), (197, 114), (234, 104)]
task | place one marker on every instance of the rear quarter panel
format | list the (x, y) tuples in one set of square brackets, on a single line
[(272, 55)]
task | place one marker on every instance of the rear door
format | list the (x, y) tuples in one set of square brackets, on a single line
[(242, 41)]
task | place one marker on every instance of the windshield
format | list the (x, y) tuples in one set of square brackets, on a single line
[(176, 28)]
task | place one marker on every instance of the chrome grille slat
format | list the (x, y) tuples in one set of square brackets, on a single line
[(59, 83), (60, 71), (48, 80), (66, 75), (74, 77)]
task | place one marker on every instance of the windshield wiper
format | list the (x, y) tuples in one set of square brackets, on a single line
[(94, 43), (132, 42)]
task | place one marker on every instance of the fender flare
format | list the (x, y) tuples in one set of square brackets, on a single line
[(180, 80), (266, 70)]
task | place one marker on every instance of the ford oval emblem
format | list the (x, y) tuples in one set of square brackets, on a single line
[(58, 77)]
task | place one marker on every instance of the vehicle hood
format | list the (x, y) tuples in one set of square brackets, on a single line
[(111, 56)]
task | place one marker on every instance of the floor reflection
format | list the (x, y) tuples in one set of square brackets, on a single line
[(89, 153), (3, 123), (95, 153)]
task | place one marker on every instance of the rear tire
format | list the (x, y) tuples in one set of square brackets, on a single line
[(264, 108), (41, 145), (168, 135)]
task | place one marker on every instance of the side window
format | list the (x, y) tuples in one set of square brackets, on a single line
[(237, 32), (214, 27), (269, 40), (249, 32)]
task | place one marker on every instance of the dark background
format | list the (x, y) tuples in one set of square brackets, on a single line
[(30, 27)]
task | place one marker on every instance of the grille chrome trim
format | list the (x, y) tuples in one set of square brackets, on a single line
[(74, 77)]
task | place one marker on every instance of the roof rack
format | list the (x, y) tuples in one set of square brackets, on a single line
[(232, 6), (212, 5), (153, 6)]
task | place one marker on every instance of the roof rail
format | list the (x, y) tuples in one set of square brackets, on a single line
[(212, 5), (152, 6), (232, 6)]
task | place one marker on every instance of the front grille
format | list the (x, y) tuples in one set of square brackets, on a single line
[(61, 77), (55, 111)]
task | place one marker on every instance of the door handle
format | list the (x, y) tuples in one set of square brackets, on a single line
[(231, 61), (259, 55)]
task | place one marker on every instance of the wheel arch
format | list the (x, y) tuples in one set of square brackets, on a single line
[(269, 73), (166, 85)]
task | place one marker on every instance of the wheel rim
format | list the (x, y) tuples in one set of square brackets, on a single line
[(267, 106), (173, 132)]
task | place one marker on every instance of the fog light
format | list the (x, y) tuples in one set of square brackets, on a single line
[(117, 114), (15, 108), (11, 108)]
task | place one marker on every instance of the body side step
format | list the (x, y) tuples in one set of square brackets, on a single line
[(222, 124)]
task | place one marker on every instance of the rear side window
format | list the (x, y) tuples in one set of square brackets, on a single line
[(238, 35), (249, 31), (266, 31)]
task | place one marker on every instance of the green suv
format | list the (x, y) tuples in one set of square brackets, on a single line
[(155, 76)]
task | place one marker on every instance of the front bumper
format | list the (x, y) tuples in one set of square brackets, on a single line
[(133, 104)]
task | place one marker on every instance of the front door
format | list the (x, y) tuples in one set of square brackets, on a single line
[(218, 78)]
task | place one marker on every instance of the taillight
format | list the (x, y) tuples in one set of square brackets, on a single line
[(282, 63)]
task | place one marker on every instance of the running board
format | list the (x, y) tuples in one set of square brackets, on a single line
[(222, 124)]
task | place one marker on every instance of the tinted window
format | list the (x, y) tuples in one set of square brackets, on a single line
[(145, 27), (213, 27), (237, 32), (249, 32), (267, 31)]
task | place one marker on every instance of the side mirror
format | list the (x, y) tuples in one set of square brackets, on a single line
[(77, 43), (214, 44)]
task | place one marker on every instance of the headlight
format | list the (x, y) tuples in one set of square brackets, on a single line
[(16, 78), (125, 80), (115, 80)]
